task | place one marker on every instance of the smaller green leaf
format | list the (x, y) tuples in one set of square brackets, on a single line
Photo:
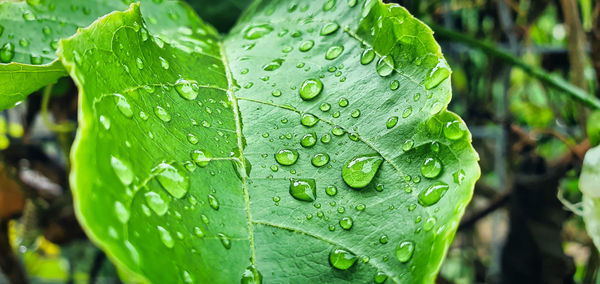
[(19, 80)]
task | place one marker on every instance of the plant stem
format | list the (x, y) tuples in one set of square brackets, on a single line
[(547, 78)]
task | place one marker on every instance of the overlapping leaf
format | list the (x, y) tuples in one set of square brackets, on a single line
[(312, 144)]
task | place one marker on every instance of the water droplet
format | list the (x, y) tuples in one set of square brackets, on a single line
[(320, 159), (341, 258), (35, 60), (432, 194), (325, 107), (407, 112), (352, 3), (337, 131), (331, 190), (309, 120), (391, 122), (276, 93), (346, 223), (122, 169), (198, 232), (359, 171), (306, 45), (28, 16), (123, 105), (251, 276), (139, 63), (187, 89), (23, 42), (310, 89), (454, 130), (257, 31), (286, 157), (407, 146), (328, 5), (157, 203), (329, 28), (325, 139), (343, 102), (163, 63), (213, 202), (165, 237), (172, 179), (192, 138), (355, 113), (380, 277), (404, 251), (437, 75), (187, 277), (459, 176), (394, 85), (201, 157), (162, 114), (225, 240), (334, 52), (429, 224), (105, 121), (367, 56), (7, 52), (361, 207), (273, 65), (54, 44), (431, 167), (308, 140), (122, 212), (303, 189), (385, 66)]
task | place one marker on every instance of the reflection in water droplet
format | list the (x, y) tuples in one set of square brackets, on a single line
[(359, 171), (342, 259), (303, 189), (432, 194), (331, 190), (404, 251)]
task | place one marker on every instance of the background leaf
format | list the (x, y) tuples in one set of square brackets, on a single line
[(191, 153)]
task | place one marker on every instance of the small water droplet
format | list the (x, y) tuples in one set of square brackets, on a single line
[(385, 66), (432, 194), (257, 31), (367, 56), (326, 138), (320, 159), (105, 121), (394, 85), (35, 60), (165, 237), (361, 207), (310, 89), (122, 212), (193, 139), (331, 190), (309, 120), (306, 45), (225, 240), (162, 114), (139, 63), (391, 122), (123, 105), (407, 112), (380, 277), (437, 75), (383, 239), (251, 276), (23, 42), (201, 157), (303, 189), (286, 157), (352, 3), (342, 259), (276, 93), (328, 5), (405, 250), (431, 167), (355, 113), (187, 89), (454, 130), (334, 52), (325, 107), (163, 63), (7, 52), (329, 28), (308, 140), (28, 16), (273, 65), (122, 169), (346, 222), (172, 179), (407, 145), (157, 203), (213, 202)]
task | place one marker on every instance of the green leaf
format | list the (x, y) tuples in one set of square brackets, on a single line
[(30, 32), (233, 160), (588, 184), (593, 128)]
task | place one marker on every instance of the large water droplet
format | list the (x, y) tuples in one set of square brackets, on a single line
[(359, 171), (286, 157), (432, 194), (431, 167), (346, 223), (385, 66), (7, 52), (320, 159), (251, 276), (307, 45), (165, 237), (123, 105), (303, 189), (122, 169), (341, 258), (437, 75), (329, 28), (273, 65), (162, 114), (172, 179), (201, 157), (405, 250), (257, 31), (454, 130), (156, 203), (367, 56), (310, 89), (334, 52), (187, 89)]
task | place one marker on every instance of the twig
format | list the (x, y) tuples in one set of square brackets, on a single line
[(472, 219), (60, 128)]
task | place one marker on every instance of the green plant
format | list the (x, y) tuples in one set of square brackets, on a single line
[(311, 143)]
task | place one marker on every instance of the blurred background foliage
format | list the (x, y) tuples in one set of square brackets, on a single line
[(523, 225)]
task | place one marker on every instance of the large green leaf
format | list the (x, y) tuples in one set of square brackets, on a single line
[(588, 184), (185, 159), (30, 32)]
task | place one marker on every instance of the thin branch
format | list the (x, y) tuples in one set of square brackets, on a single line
[(547, 78)]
